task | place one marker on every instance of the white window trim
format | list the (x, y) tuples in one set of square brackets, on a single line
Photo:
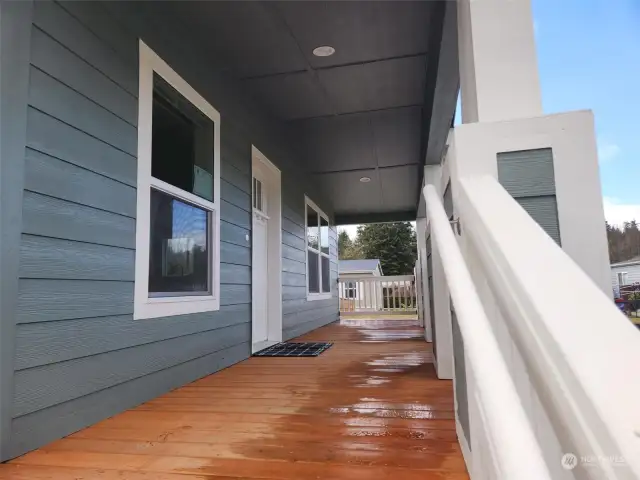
[(144, 306), (622, 276), (321, 295)]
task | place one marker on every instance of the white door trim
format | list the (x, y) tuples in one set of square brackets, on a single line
[(274, 249)]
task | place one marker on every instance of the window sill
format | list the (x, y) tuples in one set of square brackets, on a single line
[(166, 307), (318, 296)]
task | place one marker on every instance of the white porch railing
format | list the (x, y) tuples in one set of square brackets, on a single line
[(573, 362), (517, 455), (367, 294)]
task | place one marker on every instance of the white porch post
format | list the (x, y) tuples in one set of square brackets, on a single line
[(502, 117), (421, 240), (498, 66), (502, 113), (442, 337)]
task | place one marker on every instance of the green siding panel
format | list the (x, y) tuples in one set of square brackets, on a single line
[(80, 356), (527, 173), (529, 177)]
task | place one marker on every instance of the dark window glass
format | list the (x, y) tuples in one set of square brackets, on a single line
[(312, 227), (324, 235), (179, 247), (314, 274), (257, 195), (326, 275), (181, 142)]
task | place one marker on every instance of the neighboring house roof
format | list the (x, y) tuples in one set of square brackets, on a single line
[(631, 261), (359, 266)]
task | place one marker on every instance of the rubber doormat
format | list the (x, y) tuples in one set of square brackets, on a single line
[(309, 349)]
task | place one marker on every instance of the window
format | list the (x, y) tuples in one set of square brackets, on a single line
[(622, 278), (259, 202), (178, 221), (318, 262)]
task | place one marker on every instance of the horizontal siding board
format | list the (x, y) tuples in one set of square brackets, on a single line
[(50, 176), (293, 293), (235, 294), (293, 228), (297, 318), (57, 139), (41, 427), (232, 214), (235, 274), (235, 177), (293, 266), (48, 216), (67, 30), (98, 20), (56, 99), (301, 305), (44, 257), (63, 65), (306, 327), (235, 196), (293, 253), (236, 254), (50, 342), (293, 241), (41, 387), (295, 215), (235, 151), (294, 279), (47, 300), (234, 234)]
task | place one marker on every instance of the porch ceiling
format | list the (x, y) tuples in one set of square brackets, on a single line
[(367, 110)]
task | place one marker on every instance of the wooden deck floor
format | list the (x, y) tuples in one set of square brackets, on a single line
[(369, 408)]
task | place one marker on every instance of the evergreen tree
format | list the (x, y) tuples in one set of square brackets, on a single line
[(624, 242), (393, 243), (347, 249)]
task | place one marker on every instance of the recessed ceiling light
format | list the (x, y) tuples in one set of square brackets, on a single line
[(365, 179), (324, 51)]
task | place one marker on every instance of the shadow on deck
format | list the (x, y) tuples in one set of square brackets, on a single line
[(369, 408)]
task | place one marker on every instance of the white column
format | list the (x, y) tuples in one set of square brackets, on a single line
[(421, 240), (441, 300), (497, 57)]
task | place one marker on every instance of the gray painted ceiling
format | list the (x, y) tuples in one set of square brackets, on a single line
[(364, 111)]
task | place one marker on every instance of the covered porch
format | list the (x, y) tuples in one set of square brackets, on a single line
[(371, 407)]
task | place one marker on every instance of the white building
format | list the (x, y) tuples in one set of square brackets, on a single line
[(625, 273), (354, 289)]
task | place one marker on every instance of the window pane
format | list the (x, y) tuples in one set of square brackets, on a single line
[(182, 142), (324, 235), (312, 227), (326, 275), (179, 247), (313, 273)]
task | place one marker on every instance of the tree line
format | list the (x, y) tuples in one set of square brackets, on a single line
[(393, 243), (624, 241)]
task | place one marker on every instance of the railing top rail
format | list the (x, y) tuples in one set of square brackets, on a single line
[(585, 351), (383, 278), (517, 452)]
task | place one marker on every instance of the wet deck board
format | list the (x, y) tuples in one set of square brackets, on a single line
[(369, 408)]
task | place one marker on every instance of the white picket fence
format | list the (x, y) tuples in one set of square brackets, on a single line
[(367, 294)]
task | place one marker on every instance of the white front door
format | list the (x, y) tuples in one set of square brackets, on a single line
[(260, 259)]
